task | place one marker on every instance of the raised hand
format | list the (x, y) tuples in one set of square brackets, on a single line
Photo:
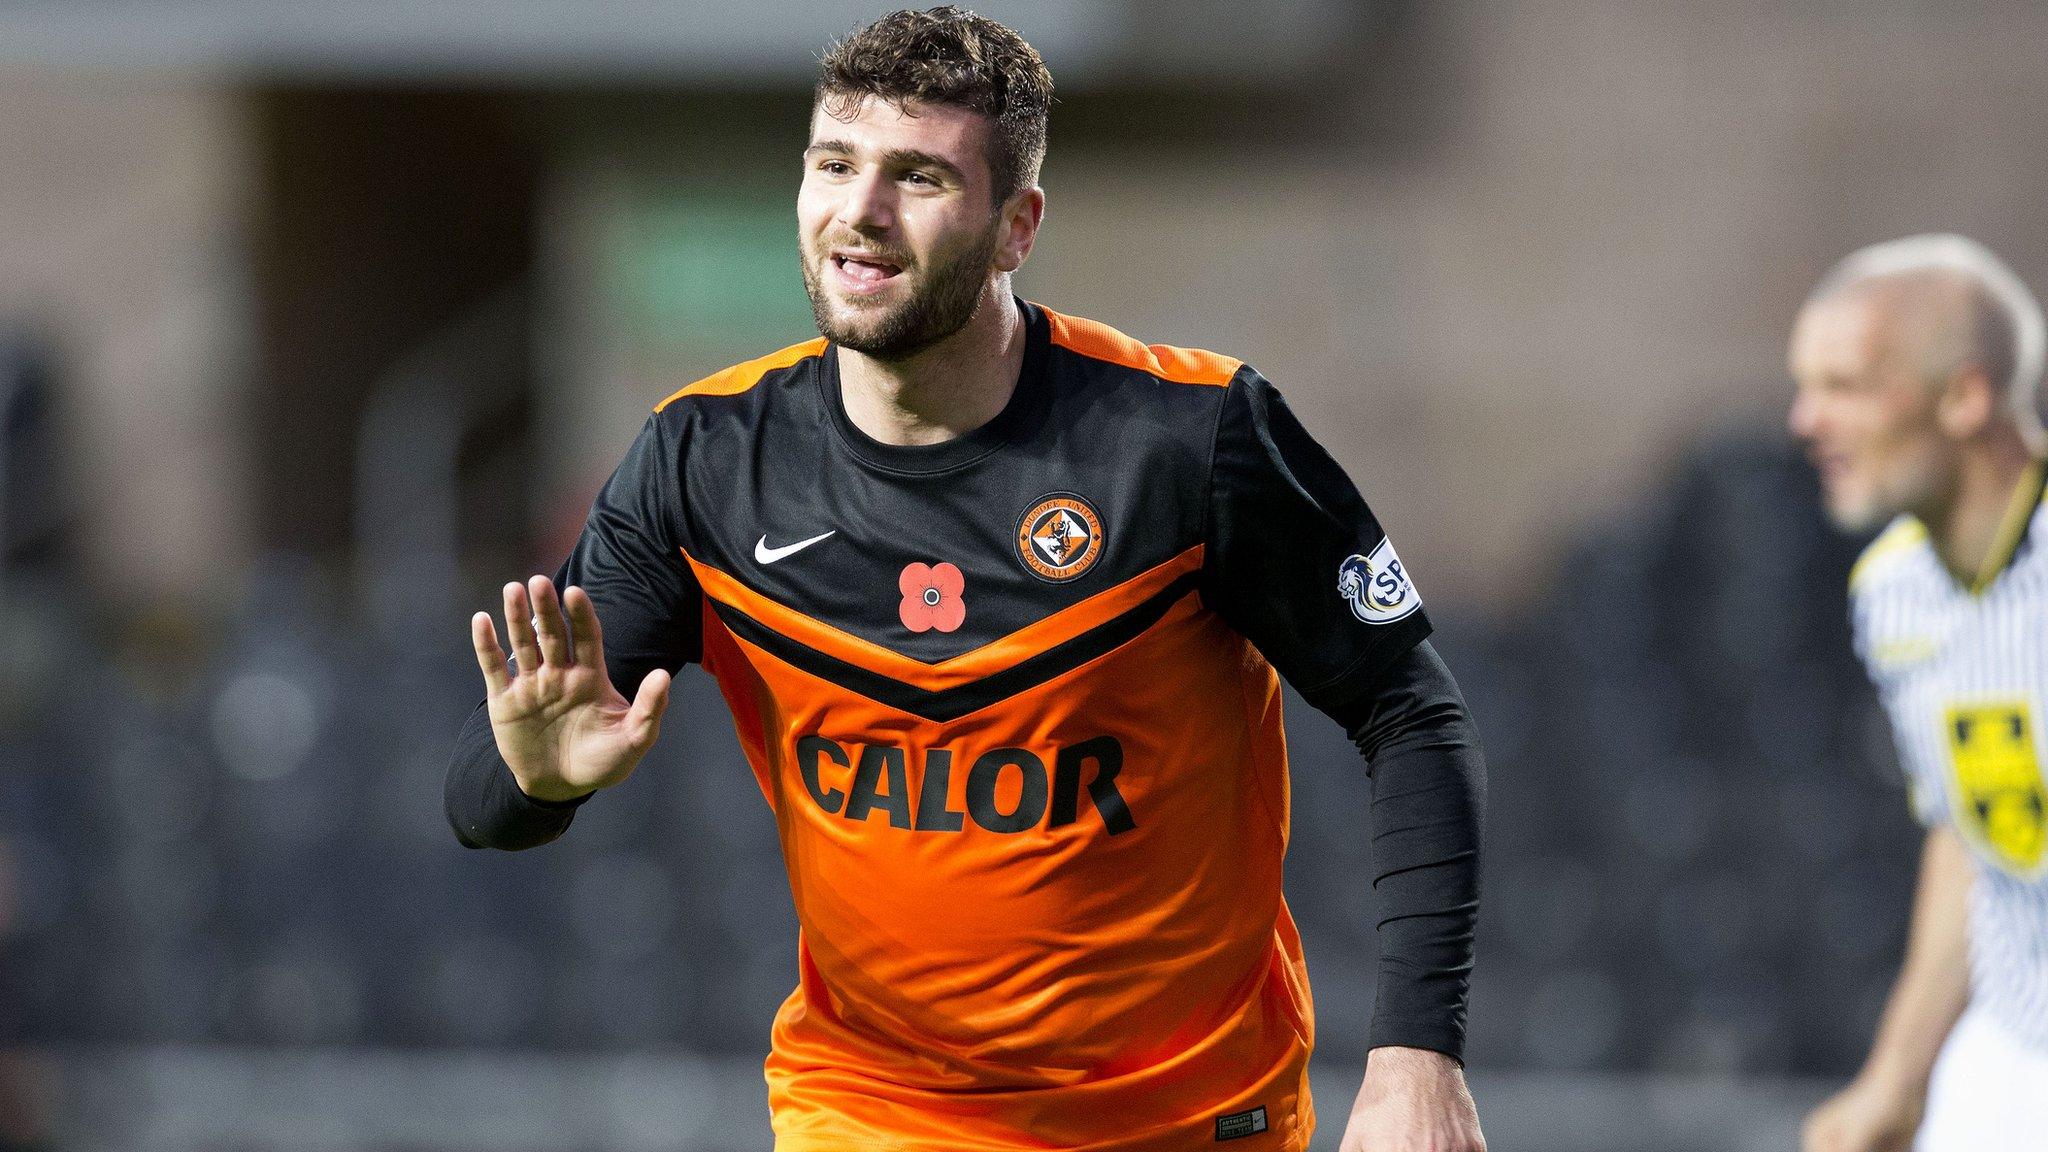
[(561, 726)]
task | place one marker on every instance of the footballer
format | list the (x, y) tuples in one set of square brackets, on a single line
[(1917, 363), (1000, 600)]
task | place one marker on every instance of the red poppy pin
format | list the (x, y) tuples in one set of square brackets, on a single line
[(931, 597)]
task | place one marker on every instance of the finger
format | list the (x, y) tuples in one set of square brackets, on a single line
[(643, 720), (519, 627), (483, 635), (584, 633), (548, 622)]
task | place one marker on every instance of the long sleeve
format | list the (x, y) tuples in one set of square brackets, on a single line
[(1428, 805), (1299, 564)]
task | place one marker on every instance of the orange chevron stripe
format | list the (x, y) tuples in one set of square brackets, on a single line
[(1101, 342), (740, 377), (967, 667)]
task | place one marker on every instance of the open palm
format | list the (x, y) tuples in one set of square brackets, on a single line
[(560, 725)]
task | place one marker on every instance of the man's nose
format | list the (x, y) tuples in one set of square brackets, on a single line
[(868, 205), (1803, 418)]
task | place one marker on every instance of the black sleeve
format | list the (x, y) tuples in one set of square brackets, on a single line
[(484, 804), (1428, 802), (1296, 562), (629, 560)]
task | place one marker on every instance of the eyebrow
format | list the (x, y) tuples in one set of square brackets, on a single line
[(898, 157)]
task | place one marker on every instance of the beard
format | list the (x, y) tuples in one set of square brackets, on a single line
[(1910, 483), (1857, 519), (938, 306)]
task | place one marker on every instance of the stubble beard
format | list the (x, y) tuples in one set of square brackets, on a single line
[(1917, 487), (1856, 519), (935, 310)]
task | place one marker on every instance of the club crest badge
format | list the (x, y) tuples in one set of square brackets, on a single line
[(2000, 793), (1059, 537), (1377, 586)]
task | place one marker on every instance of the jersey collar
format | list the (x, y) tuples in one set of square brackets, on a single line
[(2012, 531), (961, 450)]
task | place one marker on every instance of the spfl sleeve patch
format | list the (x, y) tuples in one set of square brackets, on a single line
[(1377, 586)]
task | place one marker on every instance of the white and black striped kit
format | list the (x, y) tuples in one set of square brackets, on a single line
[(1963, 675)]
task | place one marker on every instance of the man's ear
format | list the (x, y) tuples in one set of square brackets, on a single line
[(1022, 214), (1967, 405)]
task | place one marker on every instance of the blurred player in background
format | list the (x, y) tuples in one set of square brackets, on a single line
[(997, 597), (1917, 363)]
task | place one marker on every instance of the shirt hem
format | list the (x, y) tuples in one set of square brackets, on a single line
[(1299, 1143)]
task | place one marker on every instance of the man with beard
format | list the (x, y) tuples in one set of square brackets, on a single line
[(1917, 363), (997, 597)]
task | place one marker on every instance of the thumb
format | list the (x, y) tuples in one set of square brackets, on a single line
[(643, 720)]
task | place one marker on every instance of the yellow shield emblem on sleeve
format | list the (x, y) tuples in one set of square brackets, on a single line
[(2001, 802)]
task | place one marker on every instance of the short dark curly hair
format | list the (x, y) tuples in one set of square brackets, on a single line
[(948, 55)]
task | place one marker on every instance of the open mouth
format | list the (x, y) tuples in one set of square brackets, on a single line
[(863, 271)]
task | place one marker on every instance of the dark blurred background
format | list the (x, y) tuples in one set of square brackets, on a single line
[(318, 322)]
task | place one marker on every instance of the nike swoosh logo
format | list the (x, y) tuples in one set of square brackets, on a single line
[(763, 554)]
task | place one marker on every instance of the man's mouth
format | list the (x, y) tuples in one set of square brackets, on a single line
[(864, 271), (1830, 465)]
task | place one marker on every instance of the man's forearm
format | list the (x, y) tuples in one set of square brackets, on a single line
[(1934, 983), (1429, 783), (483, 801)]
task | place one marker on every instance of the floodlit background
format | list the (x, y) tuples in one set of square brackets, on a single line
[(319, 321)]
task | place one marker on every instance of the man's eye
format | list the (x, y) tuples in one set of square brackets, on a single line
[(835, 167), (920, 178)]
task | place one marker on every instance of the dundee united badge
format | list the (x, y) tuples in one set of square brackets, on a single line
[(1060, 537)]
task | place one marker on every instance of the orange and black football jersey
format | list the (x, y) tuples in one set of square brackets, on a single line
[(1013, 700)]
